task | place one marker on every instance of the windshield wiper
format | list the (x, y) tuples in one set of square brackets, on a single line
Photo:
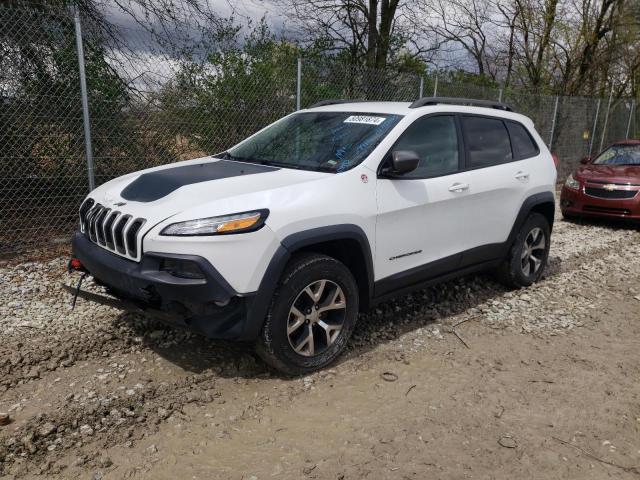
[(229, 156), (223, 155), (318, 168)]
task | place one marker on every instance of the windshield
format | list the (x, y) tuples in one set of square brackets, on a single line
[(321, 141), (619, 155)]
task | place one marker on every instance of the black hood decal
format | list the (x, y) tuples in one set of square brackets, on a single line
[(152, 186)]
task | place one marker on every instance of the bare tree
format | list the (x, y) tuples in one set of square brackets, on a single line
[(467, 23), (506, 25), (371, 32), (534, 27), (598, 20)]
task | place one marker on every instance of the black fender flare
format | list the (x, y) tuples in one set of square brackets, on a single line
[(259, 303), (538, 199)]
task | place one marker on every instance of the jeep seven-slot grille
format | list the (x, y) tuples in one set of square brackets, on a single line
[(110, 229)]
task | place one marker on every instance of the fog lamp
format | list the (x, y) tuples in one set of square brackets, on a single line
[(182, 268)]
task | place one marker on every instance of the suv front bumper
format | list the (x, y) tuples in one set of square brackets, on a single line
[(206, 305)]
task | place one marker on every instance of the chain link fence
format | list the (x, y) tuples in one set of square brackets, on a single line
[(149, 103)]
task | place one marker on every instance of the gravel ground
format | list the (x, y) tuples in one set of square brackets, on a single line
[(81, 387)]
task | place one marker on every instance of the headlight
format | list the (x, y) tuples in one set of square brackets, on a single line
[(572, 182), (238, 223)]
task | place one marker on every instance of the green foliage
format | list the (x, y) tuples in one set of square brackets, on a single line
[(463, 77), (218, 100), (407, 63)]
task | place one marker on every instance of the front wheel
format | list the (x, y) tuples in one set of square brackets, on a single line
[(311, 316), (529, 253)]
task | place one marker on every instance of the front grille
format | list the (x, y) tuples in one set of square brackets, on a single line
[(111, 229), (609, 210), (612, 194), (622, 184)]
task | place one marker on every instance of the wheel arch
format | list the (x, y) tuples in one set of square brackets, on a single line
[(347, 243), (543, 203), (547, 209)]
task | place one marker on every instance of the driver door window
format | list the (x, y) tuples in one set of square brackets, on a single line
[(435, 140)]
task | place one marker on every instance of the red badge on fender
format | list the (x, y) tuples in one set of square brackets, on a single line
[(364, 178)]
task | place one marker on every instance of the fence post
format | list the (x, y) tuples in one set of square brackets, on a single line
[(421, 87), (500, 95), (606, 120), (553, 123), (435, 86), (85, 100), (299, 83), (595, 125), (633, 104)]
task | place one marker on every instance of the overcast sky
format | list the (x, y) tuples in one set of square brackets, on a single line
[(240, 9), (154, 64)]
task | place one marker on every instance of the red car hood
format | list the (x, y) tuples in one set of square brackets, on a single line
[(610, 173)]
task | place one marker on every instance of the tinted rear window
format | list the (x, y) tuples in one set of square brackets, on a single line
[(523, 145), (487, 142)]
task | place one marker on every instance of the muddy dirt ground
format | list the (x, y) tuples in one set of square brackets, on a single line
[(462, 380)]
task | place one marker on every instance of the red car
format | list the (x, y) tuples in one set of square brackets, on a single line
[(605, 186)]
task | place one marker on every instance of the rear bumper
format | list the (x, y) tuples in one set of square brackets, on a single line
[(577, 203), (208, 306)]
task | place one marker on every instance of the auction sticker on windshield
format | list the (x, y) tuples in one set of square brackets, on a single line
[(365, 119)]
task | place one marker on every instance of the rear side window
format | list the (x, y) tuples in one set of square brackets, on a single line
[(523, 145), (487, 142)]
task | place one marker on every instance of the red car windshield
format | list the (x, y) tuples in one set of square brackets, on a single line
[(619, 155)]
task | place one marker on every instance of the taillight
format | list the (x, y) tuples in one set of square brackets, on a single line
[(556, 160)]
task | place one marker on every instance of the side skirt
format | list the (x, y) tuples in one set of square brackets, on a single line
[(465, 263)]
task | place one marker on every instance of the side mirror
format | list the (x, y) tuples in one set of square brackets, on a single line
[(586, 160), (403, 161)]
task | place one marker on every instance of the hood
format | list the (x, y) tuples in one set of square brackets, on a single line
[(610, 173), (159, 193)]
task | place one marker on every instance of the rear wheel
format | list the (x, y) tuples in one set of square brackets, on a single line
[(529, 253), (311, 317)]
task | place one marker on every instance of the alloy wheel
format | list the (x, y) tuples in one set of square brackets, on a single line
[(316, 318), (533, 251)]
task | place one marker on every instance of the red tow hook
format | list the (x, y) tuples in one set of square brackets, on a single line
[(75, 265)]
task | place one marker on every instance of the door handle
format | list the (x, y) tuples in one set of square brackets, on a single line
[(459, 187), (522, 176)]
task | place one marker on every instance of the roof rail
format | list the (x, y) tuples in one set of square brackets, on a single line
[(424, 102), (322, 103)]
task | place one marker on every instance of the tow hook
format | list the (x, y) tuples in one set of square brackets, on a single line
[(75, 265)]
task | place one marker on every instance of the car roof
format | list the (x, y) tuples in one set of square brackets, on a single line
[(398, 108), (628, 141), (403, 108)]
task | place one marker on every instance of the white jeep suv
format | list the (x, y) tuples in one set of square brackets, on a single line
[(284, 238)]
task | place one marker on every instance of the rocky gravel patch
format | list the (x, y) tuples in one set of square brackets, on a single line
[(97, 376)]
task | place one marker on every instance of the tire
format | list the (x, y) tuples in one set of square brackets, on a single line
[(516, 271), (299, 306)]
